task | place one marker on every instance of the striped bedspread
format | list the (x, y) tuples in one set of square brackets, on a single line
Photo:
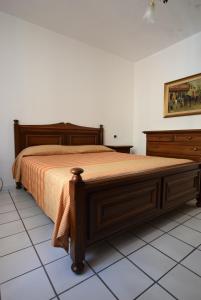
[(47, 177)]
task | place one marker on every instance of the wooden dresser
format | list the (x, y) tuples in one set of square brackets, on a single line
[(174, 143)]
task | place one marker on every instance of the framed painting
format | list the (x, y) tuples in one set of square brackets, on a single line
[(183, 97)]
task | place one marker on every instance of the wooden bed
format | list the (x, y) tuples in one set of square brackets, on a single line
[(101, 208)]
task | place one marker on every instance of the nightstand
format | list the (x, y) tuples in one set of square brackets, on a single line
[(120, 148)]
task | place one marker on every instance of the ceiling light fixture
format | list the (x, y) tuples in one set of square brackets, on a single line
[(149, 15)]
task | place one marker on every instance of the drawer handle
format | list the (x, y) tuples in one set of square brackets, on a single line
[(195, 148), (189, 138)]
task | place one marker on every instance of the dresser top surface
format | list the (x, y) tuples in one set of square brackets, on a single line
[(173, 131)]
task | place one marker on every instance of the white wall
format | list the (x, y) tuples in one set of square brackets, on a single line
[(178, 61), (46, 77)]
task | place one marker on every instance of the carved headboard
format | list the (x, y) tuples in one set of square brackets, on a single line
[(52, 134)]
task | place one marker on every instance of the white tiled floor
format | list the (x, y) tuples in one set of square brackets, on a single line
[(159, 260)]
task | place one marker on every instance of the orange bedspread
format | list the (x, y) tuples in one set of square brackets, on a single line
[(47, 177)]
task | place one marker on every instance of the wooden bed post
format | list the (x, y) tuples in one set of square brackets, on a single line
[(17, 143), (101, 135), (78, 220), (17, 137), (198, 203)]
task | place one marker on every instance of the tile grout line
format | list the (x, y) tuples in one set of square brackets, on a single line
[(5, 212), (10, 222), (167, 232), (36, 251), (97, 274), (45, 264), (19, 275), (15, 251), (38, 226), (139, 268), (11, 234), (36, 244), (177, 263), (181, 223), (31, 216), (70, 288)]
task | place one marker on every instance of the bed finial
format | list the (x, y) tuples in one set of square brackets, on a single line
[(16, 122), (101, 135), (76, 174)]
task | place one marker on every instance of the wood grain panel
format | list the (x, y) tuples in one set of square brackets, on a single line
[(33, 140), (160, 137), (83, 140), (178, 189), (109, 208), (167, 148)]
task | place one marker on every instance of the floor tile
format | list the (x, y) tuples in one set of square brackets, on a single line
[(33, 286), (156, 293), (90, 289), (101, 255), (36, 221), (6, 207), (27, 198), (25, 204), (178, 217), (125, 280), (41, 234), (147, 233), (62, 276), (187, 235), (17, 263), (14, 243), (153, 262), (24, 196), (5, 201), (182, 283), (164, 223), (190, 210), (48, 253), (9, 217), (198, 216), (126, 242), (30, 212), (193, 262), (4, 196), (11, 228), (172, 247), (191, 203), (194, 224)]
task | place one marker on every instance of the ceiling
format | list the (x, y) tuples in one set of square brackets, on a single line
[(116, 26)]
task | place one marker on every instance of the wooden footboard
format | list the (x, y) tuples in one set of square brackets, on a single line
[(101, 208)]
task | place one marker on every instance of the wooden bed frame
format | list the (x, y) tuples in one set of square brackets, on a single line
[(101, 208)]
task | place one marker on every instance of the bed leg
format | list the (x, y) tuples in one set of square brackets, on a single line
[(77, 267), (78, 220), (198, 198), (198, 203), (18, 185)]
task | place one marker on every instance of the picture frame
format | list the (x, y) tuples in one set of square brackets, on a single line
[(183, 96)]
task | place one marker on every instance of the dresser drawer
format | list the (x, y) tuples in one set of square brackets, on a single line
[(175, 143), (194, 138), (171, 149), (160, 138)]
